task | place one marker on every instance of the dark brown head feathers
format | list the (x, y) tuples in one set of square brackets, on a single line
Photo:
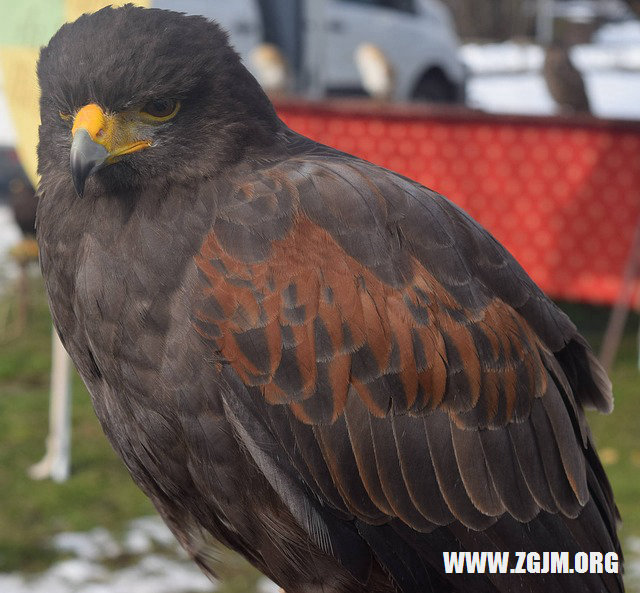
[(122, 57)]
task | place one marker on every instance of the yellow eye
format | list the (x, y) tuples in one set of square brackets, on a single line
[(161, 109)]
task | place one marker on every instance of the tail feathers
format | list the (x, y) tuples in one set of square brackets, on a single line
[(415, 562), (602, 495), (402, 560)]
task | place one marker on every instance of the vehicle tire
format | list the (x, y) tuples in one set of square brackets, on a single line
[(435, 87)]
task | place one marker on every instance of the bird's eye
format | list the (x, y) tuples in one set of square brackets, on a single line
[(161, 109), (65, 116)]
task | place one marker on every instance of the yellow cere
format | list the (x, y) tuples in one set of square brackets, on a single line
[(119, 133)]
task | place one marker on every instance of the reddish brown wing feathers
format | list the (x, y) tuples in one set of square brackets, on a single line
[(310, 305), (313, 295)]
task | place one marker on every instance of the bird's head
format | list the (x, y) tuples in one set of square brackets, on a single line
[(133, 95)]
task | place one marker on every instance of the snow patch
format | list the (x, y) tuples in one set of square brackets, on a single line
[(93, 545), (506, 77), (627, 32), (267, 586), (146, 533), (9, 236), (502, 57), (158, 565), (510, 93)]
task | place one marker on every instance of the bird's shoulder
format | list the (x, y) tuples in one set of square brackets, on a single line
[(324, 272), (382, 220)]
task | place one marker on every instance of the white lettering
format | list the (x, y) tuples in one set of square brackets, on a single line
[(611, 562), (498, 562), (559, 562), (519, 569), (581, 562), (453, 562), (533, 562)]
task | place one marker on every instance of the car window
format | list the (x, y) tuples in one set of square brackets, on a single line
[(403, 5)]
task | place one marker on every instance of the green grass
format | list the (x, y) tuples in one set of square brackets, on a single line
[(100, 491)]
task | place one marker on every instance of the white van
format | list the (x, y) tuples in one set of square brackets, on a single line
[(416, 36), (319, 38)]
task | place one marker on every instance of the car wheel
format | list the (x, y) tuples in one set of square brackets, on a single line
[(435, 87)]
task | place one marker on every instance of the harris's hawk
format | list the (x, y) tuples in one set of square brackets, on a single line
[(315, 361)]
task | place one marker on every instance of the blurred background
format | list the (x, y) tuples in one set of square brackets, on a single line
[(524, 112)]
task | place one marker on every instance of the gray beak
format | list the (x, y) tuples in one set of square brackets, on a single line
[(86, 157)]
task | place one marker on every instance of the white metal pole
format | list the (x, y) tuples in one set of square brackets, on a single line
[(544, 21), (56, 463)]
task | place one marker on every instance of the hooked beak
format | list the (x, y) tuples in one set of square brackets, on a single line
[(99, 139), (86, 157)]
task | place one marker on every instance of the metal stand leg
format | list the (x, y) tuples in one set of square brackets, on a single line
[(615, 327), (56, 463)]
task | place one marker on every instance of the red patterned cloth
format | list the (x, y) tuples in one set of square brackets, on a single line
[(562, 195)]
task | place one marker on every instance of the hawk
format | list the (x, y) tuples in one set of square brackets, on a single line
[(317, 362)]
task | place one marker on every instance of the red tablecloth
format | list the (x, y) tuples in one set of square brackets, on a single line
[(563, 195)]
